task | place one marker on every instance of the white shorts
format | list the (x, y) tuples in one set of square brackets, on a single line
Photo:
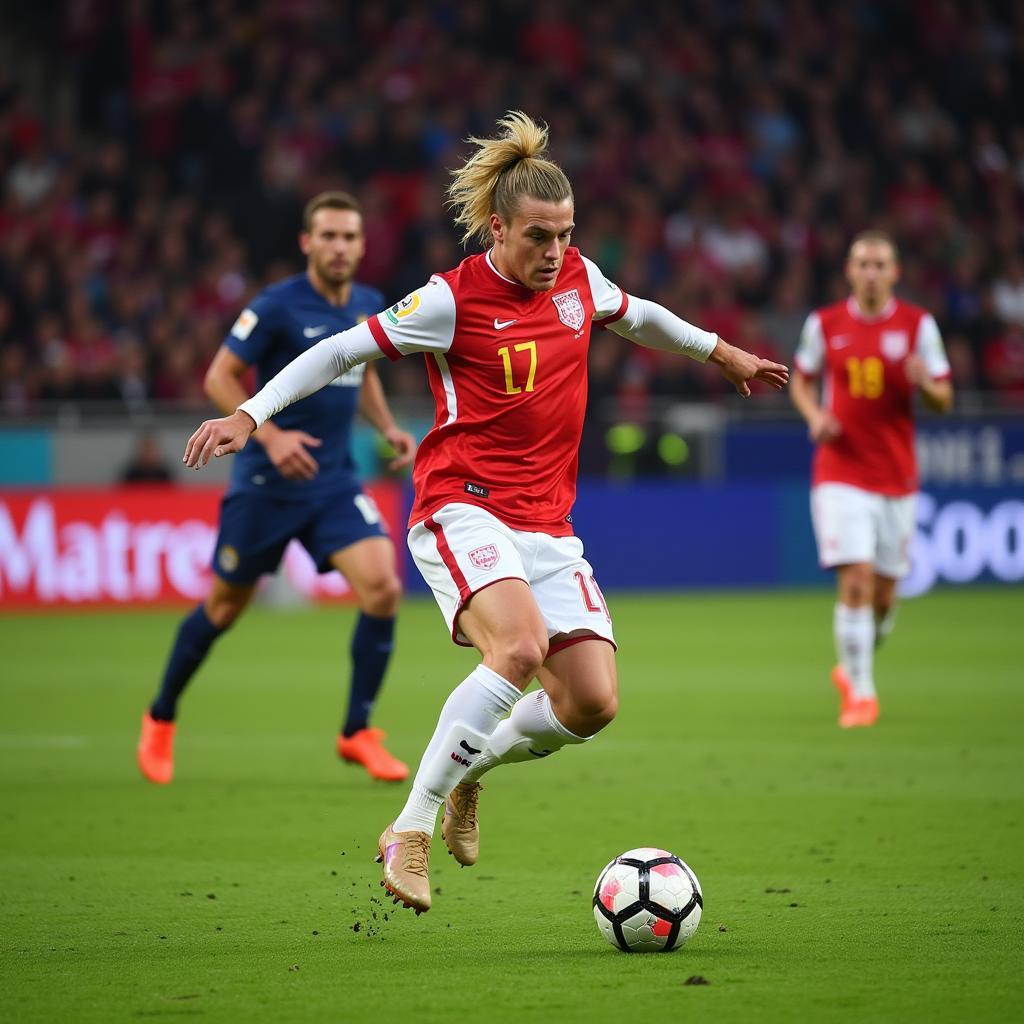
[(461, 549), (853, 525)]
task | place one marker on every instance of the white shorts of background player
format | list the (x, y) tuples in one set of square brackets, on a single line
[(853, 525)]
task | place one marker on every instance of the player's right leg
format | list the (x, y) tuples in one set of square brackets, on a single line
[(254, 531), (471, 563), (509, 633)]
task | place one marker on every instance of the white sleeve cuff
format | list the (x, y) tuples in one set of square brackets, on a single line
[(653, 326), (311, 371)]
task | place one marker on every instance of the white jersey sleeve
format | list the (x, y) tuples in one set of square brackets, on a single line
[(930, 348), (644, 322), (810, 352), (610, 301), (424, 321), (314, 369)]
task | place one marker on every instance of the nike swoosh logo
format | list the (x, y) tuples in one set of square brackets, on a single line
[(840, 341), (467, 748), (500, 325), (312, 332)]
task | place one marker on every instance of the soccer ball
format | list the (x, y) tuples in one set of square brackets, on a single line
[(647, 901)]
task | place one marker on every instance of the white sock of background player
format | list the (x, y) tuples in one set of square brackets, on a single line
[(854, 631)]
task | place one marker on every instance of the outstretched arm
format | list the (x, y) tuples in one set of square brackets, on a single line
[(653, 326), (309, 372)]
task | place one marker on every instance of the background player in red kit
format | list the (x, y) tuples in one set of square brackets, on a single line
[(872, 351), (505, 335)]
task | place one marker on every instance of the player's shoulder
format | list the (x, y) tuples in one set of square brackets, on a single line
[(469, 270), (364, 296), (908, 312), (574, 263), (833, 314), (280, 293)]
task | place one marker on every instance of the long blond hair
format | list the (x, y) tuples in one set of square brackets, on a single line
[(500, 171)]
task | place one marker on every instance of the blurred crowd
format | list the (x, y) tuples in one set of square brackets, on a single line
[(155, 158)]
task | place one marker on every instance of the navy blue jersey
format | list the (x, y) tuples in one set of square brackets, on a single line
[(278, 325)]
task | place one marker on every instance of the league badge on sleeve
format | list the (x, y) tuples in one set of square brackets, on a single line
[(400, 310), (570, 309), (246, 321)]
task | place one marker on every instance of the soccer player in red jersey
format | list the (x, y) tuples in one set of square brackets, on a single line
[(873, 352), (505, 335)]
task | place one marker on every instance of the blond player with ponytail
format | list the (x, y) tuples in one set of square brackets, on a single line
[(505, 337)]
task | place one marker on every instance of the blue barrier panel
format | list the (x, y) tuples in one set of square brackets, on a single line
[(26, 458), (657, 534), (951, 452), (967, 535), (660, 535)]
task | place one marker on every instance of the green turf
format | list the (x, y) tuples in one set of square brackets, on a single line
[(872, 875)]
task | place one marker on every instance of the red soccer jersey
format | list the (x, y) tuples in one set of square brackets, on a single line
[(862, 362), (508, 370)]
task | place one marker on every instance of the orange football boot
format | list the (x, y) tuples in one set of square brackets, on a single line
[(365, 747), (155, 752), (860, 712), (847, 698)]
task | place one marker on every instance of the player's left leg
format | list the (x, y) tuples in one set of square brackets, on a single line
[(369, 566), (884, 607), (892, 559), (578, 698)]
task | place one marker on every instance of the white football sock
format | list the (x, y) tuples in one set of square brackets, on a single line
[(854, 630), (468, 718), (530, 733)]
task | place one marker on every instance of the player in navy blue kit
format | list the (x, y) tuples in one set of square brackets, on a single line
[(299, 482)]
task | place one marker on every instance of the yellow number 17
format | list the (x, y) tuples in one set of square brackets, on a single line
[(511, 388)]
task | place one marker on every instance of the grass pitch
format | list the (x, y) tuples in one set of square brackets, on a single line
[(848, 876)]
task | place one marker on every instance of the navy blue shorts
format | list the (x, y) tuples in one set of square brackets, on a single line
[(255, 530)]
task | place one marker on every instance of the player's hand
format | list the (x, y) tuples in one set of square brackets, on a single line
[(824, 427), (914, 368), (217, 438), (287, 451), (404, 445), (739, 367)]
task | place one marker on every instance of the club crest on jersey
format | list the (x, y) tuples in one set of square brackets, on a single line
[(485, 557), (570, 309), (894, 344)]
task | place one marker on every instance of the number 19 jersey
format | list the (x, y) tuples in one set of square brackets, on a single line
[(508, 370), (862, 362)]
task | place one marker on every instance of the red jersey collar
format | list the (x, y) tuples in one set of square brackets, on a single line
[(853, 308), (520, 288)]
